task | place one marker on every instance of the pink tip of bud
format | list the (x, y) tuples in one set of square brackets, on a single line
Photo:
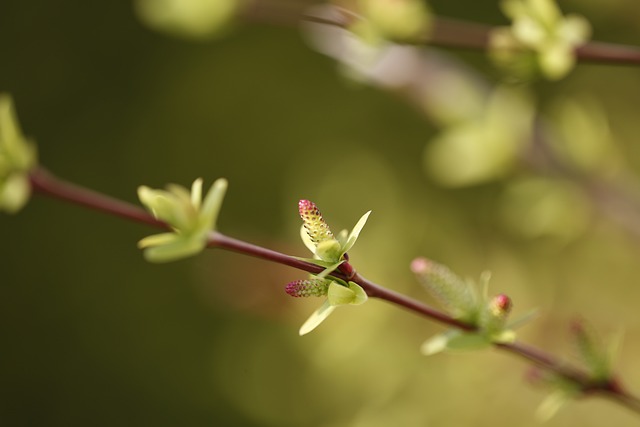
[(292, 288), (503, 302), (305, 206), (420, 265)]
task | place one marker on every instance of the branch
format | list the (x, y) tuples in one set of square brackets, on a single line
[(446, 32), (43, 182)]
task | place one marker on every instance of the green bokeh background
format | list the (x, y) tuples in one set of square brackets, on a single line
[(93, 335)]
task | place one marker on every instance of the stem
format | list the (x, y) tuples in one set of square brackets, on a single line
[(376, 291), (43, 182)]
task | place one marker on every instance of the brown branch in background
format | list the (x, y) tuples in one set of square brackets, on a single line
[(46, 183), (446, 32), (616, 198)]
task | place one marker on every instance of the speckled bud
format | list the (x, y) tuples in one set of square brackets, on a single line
[(316, 227), (308, 288)]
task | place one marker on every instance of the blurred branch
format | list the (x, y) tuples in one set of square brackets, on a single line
[(45, 183), (447, 32), (616, 198)]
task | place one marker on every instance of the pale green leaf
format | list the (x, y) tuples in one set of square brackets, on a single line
[(575, 30), (485, 277), (325, 264), (197, 19), (14, 192), (504, 337), (330, 269), (454, 340), (316, 318), (353, 236), (196, 193), (340, 295), (213, 201), (468, 341), (177, 249), (304, 235), (435, 344), (557, 60), (359, 293), (157, 240), (524, 319), (179, 193), (329, 250), (551, 404)]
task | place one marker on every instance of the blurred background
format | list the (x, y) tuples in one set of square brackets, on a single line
[(94, 335)]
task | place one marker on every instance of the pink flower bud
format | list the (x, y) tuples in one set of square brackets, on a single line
[(500, 305), (316, 227), (308, 288), (420, 265)]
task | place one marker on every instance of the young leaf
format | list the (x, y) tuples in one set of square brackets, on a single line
[(353, 236), (317, 317)]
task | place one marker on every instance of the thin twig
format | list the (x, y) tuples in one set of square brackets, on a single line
[(43, 182)]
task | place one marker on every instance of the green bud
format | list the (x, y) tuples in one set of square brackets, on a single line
[(190, 217), (591, 350), (493, 317), (450, 290)]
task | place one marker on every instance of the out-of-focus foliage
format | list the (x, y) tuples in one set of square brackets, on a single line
[(17, 157), (486, 145), (90, 328), (540, 39), (397, 20), (195, 19)]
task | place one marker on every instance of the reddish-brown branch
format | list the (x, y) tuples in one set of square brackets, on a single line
[(46, 183)]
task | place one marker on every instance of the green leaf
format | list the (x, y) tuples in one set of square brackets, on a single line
[(353, 236), (14, 192), (468, 341), (193, 19), (329, 250), (551, 405), (321, 263), (17, 157), (178, 248), (157, 239), (360, 294), (340, 295), (317, 317), (196, 193), (503, 337), (435, 344), (330, 269), (524, 319), (454, 340), (485, 277), (304, 235), (213, 202)]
